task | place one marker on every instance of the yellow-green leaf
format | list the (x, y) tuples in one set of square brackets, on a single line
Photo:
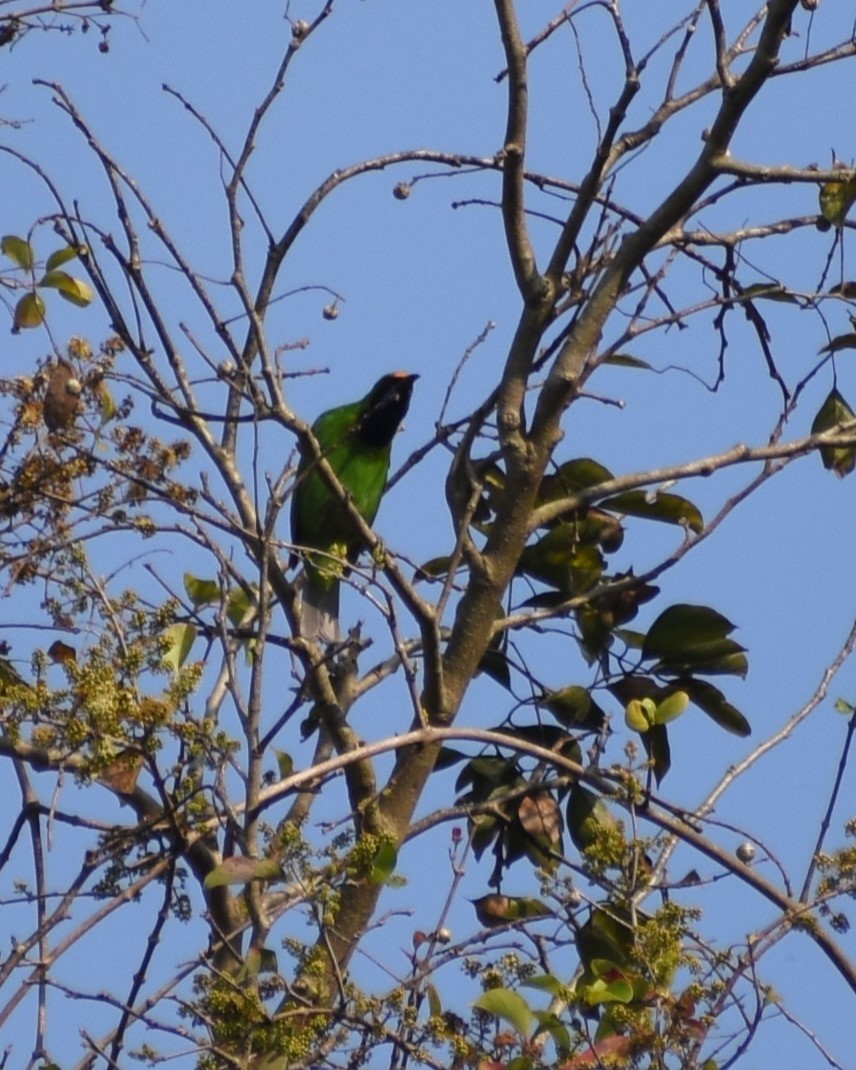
[(383, 863), (201, 592), (29, 312), (19, 250), (833, 412), (9, 676), (636, 714), (284, 762), (508, 1005), (671, 708), (62, 256), (180, 638), (106, 403), (74, 290)]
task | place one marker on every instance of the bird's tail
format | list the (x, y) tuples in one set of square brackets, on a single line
[(319, 611)]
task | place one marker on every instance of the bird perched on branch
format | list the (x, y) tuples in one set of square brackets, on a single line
[(356, 440)]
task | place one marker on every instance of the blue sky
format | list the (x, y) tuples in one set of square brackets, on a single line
[(419, 281)]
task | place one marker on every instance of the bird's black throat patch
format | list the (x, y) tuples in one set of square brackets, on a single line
[(386, 407)]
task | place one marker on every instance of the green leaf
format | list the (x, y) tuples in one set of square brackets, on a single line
[(240, 606), (19, 250), (548, 1022), (599, 618), (383, 863), (545, 982), (683, 627), (605, 936), (201, 592), (571, 477), (667, 508), (560, 560), (550, 736), (180, 638), (711, 701), (241, 870), (601, 991), (624, 360), (630, 637), (487, 772), (494, 663), (74, 290), (600, 527), (842, 341), (770, 291), (434, 569), (656, 744), (447, 757), (574, 707), (833, 412), (29, 312), (720, 657), (10, 677), (62, 256), (484, 830), (284, 763), (588, 817), (510, 1006), (435, 1007)]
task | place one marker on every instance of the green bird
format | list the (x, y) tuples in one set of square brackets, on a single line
[(356, 440)]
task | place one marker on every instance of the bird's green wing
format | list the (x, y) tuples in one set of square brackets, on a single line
[(317, 519)]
